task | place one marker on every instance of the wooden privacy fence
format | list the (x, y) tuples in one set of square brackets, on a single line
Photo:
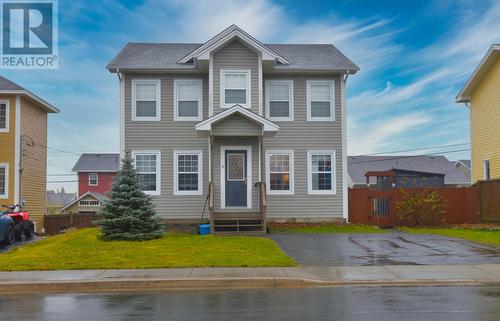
[(378, 206), (489, 200), (54, 224)]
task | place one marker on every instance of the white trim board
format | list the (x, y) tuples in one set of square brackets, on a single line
[(199, 153), (332, 100), (291, 171), (6, 166), (331, 152), (7, 115), (158, 167), (178, 82), (222, 168), (157, 82), (290, 99)]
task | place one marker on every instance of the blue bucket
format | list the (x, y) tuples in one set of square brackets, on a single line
[(204, 229)]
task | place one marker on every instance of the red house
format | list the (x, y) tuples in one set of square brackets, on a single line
[(96, 172)]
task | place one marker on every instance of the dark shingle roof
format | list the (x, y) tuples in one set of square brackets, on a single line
[(98, 163), (166, 56), (6, 84), (359, 165)]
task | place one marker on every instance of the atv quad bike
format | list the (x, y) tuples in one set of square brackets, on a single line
[(23, 227)]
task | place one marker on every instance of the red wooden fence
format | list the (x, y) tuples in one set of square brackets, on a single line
[(378, 206)]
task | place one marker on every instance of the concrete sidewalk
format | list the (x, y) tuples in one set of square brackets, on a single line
[(222, 278)]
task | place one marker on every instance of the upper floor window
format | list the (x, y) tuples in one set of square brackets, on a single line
[(4, 180), (147, 164), (235, 88), (188, 95), (321, 172), (89, 203), (146, 99), (4, 116), (320, 100), (188, 176), (279, 172), (487, 170), (279, 100), (93, 179)]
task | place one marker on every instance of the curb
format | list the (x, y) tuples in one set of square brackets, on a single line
[(129, 285)]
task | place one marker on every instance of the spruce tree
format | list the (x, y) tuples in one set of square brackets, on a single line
[(130, 213)]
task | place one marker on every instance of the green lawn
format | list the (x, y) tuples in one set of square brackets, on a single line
[(82, 249), (323, 228), (491, 237)]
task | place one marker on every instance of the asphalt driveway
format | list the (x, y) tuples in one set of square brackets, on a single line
[(393, 248)]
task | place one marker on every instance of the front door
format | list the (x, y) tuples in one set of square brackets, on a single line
[(236, 178)]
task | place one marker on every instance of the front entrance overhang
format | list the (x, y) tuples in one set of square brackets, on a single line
[(268, 128)]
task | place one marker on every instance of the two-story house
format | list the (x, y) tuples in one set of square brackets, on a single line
[(254, 131), (23, 149), (481, 93), (96, 173)]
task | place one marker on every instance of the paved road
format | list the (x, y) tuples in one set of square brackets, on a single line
[(357, 304), (394, 248)]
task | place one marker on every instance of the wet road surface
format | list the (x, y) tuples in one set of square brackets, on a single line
[(393, 248), (356, 304)]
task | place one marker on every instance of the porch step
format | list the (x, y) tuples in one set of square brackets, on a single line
[(238, 223)]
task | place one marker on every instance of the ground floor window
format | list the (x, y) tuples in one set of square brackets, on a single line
[(147, 164), (188, 176), (279, 169), (321, 172), (4, 180)]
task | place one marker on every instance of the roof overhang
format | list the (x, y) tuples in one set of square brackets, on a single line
[(45, 105), (267, 125), (79, 198), (233, 31), (464, 95)]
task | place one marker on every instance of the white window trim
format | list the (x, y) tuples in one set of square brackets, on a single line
[(332, 102), (485, 176), (290, 153), (80, 203), (248, 73), (200, 172), (290, 100), (6, 166), (310, 190), (177, 82), (158, 168), (157, 82), (7, 116), (97, 179)]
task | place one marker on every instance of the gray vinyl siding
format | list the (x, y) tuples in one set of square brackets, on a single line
[(238, 57), (298, 135), (235, 141), (236, 125), (167, 136), (301, 136)]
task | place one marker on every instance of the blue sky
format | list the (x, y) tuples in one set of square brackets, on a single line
[(414, 57)]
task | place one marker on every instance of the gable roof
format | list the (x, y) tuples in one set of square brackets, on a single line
[(267, 125), (221, 39), (59, 199), (98, 196), (98, 163), (171, 57), (359, 165), (464, 162), (9, 87), (477, 75)]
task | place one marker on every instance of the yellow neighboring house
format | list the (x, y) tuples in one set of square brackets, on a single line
[(23, 149), (481, 93)]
